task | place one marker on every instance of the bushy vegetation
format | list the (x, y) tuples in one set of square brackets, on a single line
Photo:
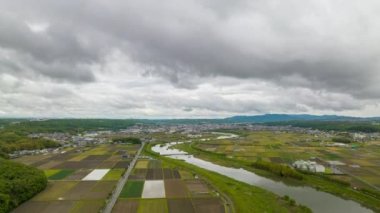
[(18, 183), (131, 140), (292, 202), (342, 140), (278, 169)]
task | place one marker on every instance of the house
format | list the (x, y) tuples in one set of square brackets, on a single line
[(310, 166)]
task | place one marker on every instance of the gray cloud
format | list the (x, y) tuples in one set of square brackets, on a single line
[(328, 49)]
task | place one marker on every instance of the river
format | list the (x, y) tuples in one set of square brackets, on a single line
[(318, 201)]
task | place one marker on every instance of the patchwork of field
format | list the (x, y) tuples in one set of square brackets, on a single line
[(80, 180), (154, 187), (362, 161)]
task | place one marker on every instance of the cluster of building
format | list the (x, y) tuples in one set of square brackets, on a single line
[(308, 165), (20, 153), (203, 127), (66, 139), (59, 137), (84, 140), (192, 131)]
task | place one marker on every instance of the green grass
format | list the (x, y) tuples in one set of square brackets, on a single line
[(186, 175), (61, 174), (54, 190), (51, 172), (343, 191), (328, 170), (114, 174), (79, 157), (142, 164), (132, 189), (154, 164), (153, 205), (99, 150), (87, 206)]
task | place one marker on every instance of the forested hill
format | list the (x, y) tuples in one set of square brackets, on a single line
[(346, 126), (12, 141), (69, 125)]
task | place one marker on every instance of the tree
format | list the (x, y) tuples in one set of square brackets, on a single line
[(18, 183)]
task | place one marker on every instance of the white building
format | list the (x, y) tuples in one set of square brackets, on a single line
[(310, 166)]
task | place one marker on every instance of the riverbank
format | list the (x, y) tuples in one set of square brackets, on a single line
[(314, 181), (245, 197)]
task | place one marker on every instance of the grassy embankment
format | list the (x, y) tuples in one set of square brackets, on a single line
[(315, 181), (245, 197)]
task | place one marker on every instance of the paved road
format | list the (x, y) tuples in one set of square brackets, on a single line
[(112, 201)]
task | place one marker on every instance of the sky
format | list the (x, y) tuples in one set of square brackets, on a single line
[(189, 59)]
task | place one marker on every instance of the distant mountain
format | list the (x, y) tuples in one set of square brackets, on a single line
[(290, 117)]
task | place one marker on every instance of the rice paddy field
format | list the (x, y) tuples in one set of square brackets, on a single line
[(154, 187), (360, 160), (80, 180)]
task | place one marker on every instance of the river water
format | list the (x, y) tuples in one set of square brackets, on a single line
[(318, 201)]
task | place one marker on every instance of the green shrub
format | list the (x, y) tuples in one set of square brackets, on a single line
[(4, 202), (292, 202), (342, 140)]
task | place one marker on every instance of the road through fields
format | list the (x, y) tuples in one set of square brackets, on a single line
[(112, 201)]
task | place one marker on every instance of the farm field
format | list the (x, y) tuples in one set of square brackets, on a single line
[(132, 189), (96, 174), (114, 174), (80, 180), (155, 187), (360, 160)]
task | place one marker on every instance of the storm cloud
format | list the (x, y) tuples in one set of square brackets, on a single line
[(196, 58)]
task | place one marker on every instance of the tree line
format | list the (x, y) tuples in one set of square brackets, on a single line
[(278, 169), (130, 140)]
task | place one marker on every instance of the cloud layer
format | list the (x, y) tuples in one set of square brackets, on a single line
[(199, 58)]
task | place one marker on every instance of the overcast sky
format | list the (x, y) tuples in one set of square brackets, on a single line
[(191, 58)]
